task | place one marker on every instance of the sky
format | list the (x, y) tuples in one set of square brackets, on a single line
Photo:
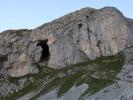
[(29, 14)]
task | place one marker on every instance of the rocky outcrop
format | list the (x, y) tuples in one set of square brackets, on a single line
[(14, 48), (80, 36), (73, 38), (87, 33)]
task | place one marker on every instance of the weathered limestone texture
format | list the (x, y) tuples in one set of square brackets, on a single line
[(84, 34)]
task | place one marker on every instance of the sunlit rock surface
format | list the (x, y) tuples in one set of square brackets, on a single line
[(89, 47)]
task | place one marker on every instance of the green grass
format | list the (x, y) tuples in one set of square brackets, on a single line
[(69, 82), (49, 86), (110, 66), (81, 80), (20, 93), (95, 85)]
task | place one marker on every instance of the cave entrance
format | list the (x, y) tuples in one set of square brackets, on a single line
[(45, 50)]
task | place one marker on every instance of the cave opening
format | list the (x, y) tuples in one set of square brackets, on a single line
[(45, 50), (80, 25)]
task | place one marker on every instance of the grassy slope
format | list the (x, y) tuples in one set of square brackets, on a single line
[(98, 74)]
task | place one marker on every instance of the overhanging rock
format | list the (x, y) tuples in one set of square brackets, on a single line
[(84, 34)]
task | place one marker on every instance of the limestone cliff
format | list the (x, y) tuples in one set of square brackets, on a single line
[(85, 51), (75, 37)]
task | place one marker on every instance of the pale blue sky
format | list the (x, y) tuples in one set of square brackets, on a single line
[(17, 14)]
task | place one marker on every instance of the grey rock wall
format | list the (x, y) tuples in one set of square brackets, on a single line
[(84, 34), (87, 33)]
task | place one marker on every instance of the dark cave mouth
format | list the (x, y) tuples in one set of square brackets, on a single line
[(45, 54)]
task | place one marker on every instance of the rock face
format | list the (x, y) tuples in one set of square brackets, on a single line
[(73, 38), (14, 53), (77, 37), (87, 33)]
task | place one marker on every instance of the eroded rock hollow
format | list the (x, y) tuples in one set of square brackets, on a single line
[(84, 34)]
